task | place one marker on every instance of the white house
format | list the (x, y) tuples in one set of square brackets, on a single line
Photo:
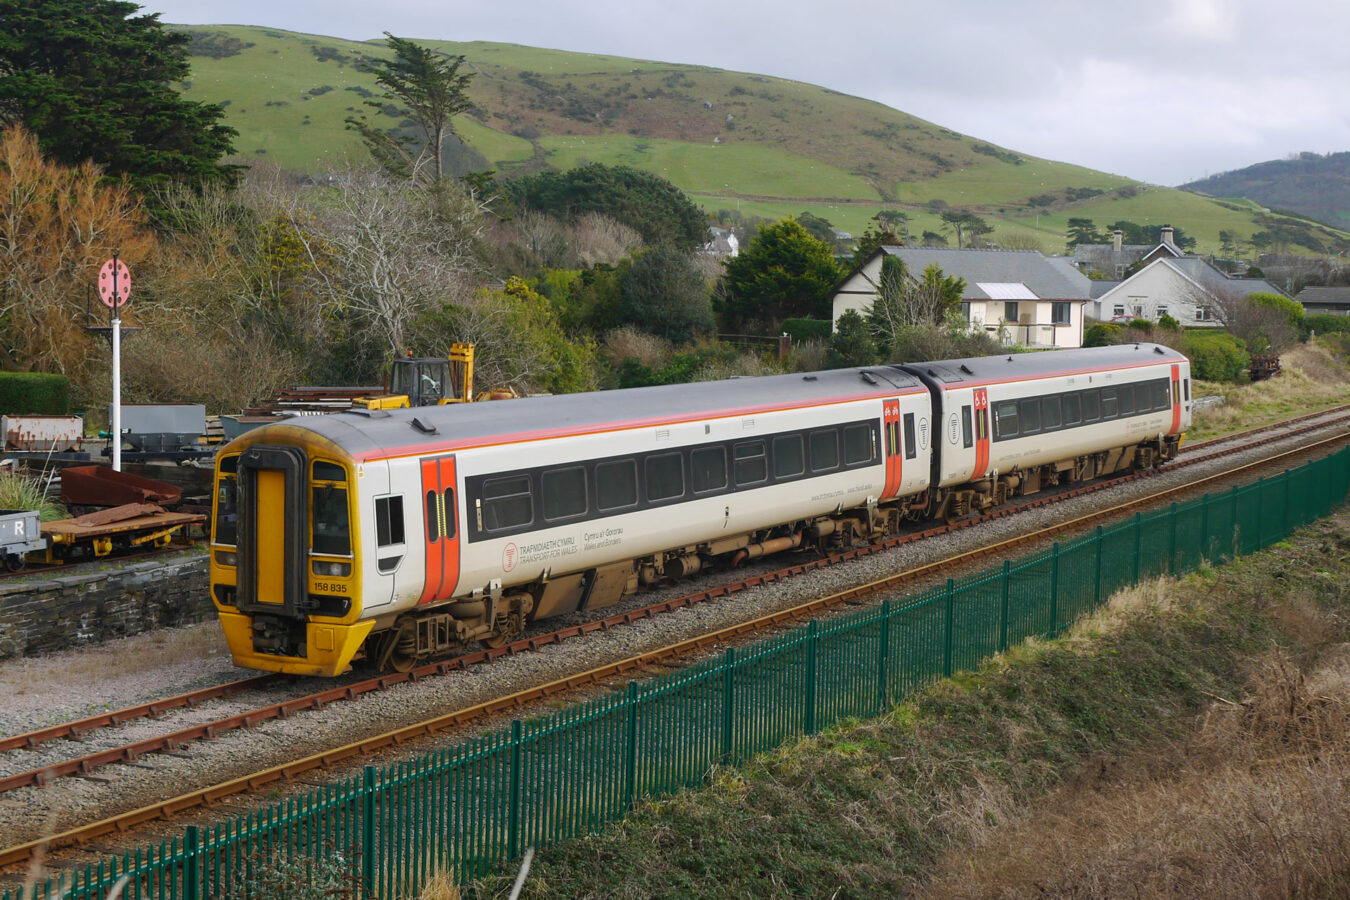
[(722, 242), (1189, 289), (1019, 296)]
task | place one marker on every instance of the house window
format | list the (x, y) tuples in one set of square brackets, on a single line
[(1010, 312), (1060, 313), (1118, 310), (1162, 310), (1202, 314), (965, 310)]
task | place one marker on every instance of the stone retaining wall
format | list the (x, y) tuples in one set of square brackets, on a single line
[(39, 614)]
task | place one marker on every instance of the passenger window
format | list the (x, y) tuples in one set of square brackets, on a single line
[(825, 450), (1186, 384), (750, 465), (1092, 406), (1030, 411), (911, 450), (789, 456), (1050, 413), (507, 502), (389, 520), (857, 445), (709, 465), (1006, 423), (448, 513), (1164, 394), (616, 484), (665, 477), (1110, 406), (563, 493), (967, 429), (1125, 397), (1073, 409)]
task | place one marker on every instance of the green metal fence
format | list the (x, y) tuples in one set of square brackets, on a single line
[(464, 809)]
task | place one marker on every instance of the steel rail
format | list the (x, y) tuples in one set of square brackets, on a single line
[(329, 758)]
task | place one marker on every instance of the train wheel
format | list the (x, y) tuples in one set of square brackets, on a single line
[(15, 561), (506, 633), (398, 651)]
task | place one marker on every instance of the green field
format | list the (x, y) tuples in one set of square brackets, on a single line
[(768, 146)]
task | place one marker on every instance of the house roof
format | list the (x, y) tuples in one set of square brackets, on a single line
[(1200, 272), (1337, 296), (1047, 278)]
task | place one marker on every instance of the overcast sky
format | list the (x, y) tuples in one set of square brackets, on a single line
[(1164, 92)]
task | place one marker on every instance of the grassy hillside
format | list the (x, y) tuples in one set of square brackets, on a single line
[(765, 146)]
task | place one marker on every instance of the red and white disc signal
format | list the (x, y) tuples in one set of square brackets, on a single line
[(114, 283)]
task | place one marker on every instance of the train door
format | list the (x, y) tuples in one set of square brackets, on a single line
[(441, 530), (891, 421), (379, 584), (1176, 399), (981, 433), (273, 517)]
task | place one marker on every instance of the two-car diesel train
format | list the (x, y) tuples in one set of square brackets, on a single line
[(396, 535)]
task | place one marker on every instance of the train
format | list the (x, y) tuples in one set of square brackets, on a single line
[(388, 537)]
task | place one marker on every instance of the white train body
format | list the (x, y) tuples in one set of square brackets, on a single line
[(398, 534)]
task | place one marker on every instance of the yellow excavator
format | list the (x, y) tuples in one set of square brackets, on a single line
[(427, 381)]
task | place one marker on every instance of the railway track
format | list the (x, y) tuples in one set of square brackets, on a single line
[(1337, 419)]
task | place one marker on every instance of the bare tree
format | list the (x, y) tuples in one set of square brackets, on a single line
[(396, 251), (1262, 328)]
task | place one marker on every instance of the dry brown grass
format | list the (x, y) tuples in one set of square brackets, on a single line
[(1244, 808), (1313, 377)]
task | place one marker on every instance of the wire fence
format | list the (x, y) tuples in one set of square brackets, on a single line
[(462, 810)]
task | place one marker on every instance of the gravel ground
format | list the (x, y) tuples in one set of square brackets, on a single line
[(73, 684)]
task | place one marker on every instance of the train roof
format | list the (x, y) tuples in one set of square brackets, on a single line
[(981, 370), (373, 433)]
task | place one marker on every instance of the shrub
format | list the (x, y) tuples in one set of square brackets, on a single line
[(1322, 324), (1217, 356), (1102, 334), (803, 330), (34, 394)]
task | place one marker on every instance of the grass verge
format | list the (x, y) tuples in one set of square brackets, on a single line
[(969, 771)]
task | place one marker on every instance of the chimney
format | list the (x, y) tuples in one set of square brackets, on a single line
[(1167, 235), (1117, 238)]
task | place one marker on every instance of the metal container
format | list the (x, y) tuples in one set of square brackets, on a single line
[(161, 427), (59, 434), (20, 533), (101, 486)]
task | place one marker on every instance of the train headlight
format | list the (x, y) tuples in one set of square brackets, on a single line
[(332, 569), (227, 558)]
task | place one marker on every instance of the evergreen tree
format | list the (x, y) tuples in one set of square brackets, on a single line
[(429, 89), (95, 82), (785, 273)]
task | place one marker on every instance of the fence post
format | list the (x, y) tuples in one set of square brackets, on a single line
[(1284, 533), (1003, 610), (728, 701), (631, 762), (191, 863), (1054, 588), (1260, 519), (883, 657), (513, 811), (1237, 526), (1204, 527), (812, 655), (370, 779), (948, 638), (1138, 547), (1172, 539), (1097, 576)]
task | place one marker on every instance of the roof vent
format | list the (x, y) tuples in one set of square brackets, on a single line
[(808, 378), (1158, 350), (867, 377), (965, 368), (1010, 359), (423, 426)]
